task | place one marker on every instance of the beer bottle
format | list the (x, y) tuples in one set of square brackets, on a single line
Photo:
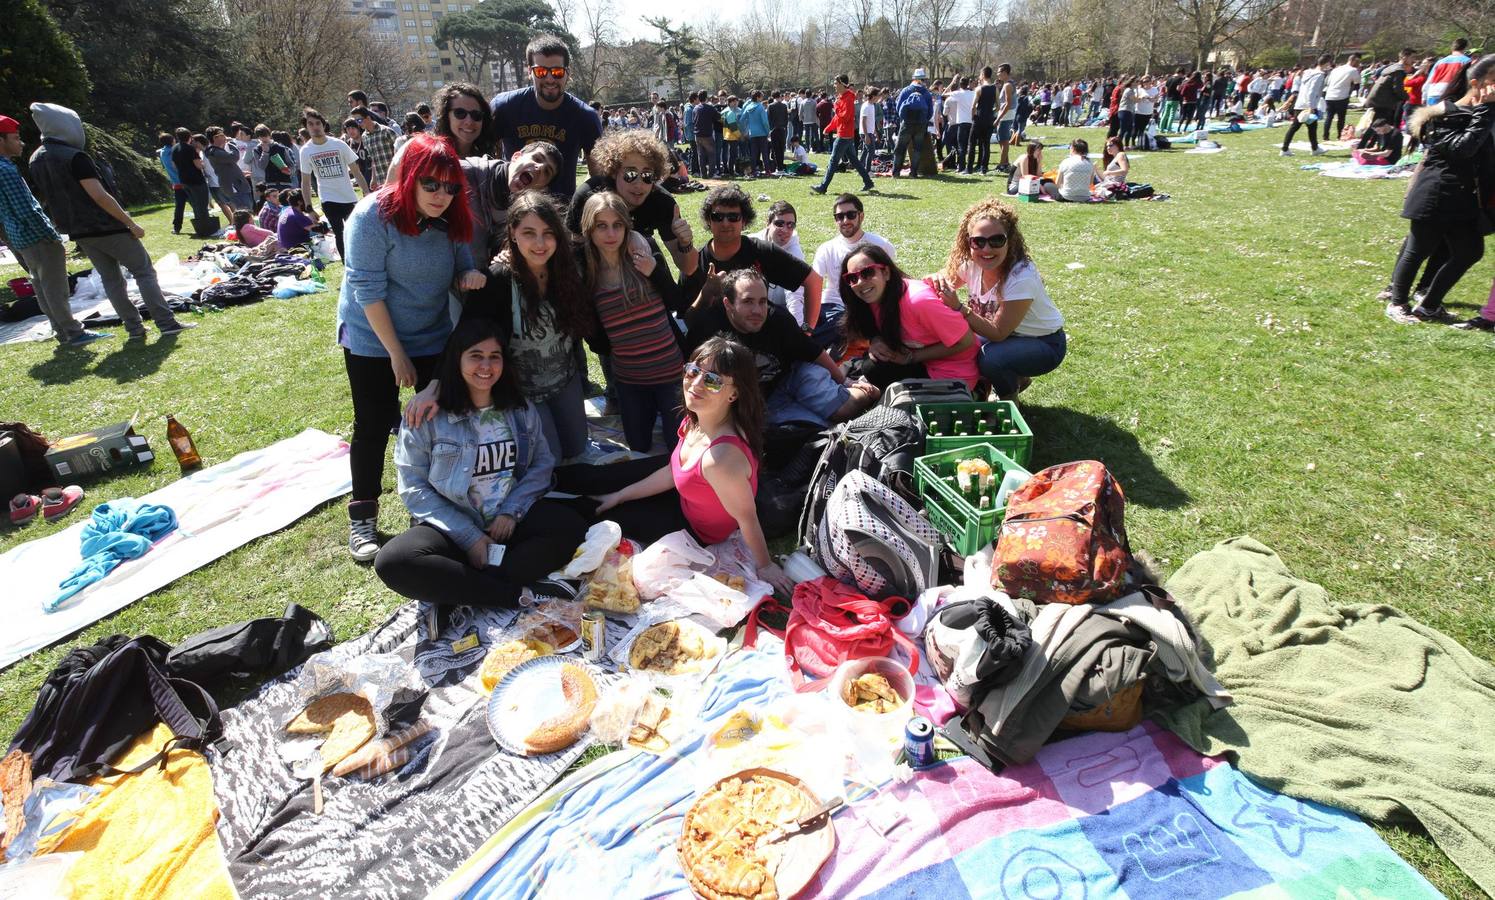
[(182, 446)]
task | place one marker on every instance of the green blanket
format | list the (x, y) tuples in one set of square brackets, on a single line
[(1356, 706)]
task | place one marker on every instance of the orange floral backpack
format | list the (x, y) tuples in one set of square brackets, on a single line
[(1064, 537)]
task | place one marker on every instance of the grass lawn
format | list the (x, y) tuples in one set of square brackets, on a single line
[(1228, 361)]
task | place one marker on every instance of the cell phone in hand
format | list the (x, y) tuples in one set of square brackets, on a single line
[(496, 554)]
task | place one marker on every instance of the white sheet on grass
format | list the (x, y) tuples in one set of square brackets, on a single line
[(174, 276), (218, 509)]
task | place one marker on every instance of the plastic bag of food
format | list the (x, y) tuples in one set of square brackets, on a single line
[(611, 587), (668, 562), (601, 538)]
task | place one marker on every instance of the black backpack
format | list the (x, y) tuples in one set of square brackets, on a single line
[(100, 699), (882, 442)]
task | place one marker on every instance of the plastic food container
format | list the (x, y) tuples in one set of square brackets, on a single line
[(874, 726)]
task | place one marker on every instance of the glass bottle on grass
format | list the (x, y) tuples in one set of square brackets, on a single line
[(182, 445)]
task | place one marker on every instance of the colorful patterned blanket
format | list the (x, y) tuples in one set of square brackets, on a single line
[(1131, 815)]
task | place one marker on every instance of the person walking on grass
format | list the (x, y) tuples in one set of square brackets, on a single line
[(1337, 88), (1308, 91), (79, 194), (1444, 212), (36, 242), (843, 128)]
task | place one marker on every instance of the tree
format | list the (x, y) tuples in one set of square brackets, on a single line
[(728, 56), (473, 36), (390, 72), (173, 68), (38, 62), (598, 18), (1210, 22), (309, 51), (679, 48), (495, 32)]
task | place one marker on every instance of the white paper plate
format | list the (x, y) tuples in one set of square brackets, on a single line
[(527, 695)]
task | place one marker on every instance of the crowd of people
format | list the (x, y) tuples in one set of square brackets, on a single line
[(478, 271)]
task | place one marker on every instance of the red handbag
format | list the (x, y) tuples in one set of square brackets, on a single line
[(830, 623), (1063, 539)]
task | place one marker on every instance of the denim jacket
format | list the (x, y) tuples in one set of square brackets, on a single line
[(434, 463)]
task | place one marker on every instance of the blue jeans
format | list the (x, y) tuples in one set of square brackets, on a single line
[(830, 333), (640, 405), (807, 394), (844, 150), (564, 419), (1002, 363)]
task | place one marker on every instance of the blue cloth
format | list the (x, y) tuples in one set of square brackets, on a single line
[(164, 154), (119, 530), (411, 275), (25, 223), (755, 119), (808, 394)]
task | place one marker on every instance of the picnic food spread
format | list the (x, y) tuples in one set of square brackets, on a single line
[(506, 656), (565, 728), (720, 846), (672, 648)]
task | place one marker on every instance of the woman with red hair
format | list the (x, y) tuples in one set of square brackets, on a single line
[(406, 246)]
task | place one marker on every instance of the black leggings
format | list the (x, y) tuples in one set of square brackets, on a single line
[(337, 214), (1462, 243), (423, 563), (646, 520), (1313, 134), (376, 412), (1334, 108), (981, 144)]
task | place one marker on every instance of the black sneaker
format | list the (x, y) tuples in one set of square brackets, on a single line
[(1478, 323), (1440, 315), (556, 588)]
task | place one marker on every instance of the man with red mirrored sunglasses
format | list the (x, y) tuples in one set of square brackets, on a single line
[(545, 111)]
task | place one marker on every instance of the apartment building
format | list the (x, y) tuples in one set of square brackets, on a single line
[(413, 24)]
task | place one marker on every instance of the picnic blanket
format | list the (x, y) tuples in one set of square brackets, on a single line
[(1359, 171), (1136, 814), (218, 509), (396, 835), (1356, 705), (90, 305)]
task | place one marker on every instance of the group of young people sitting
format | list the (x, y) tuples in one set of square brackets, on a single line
[(747, 335), (1076, 179)]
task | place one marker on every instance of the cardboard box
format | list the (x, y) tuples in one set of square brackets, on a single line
[(98, 452)]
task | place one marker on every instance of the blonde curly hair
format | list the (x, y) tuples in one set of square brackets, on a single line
[(609, 152), (997, 210)]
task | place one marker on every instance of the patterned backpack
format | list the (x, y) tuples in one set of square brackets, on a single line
[(872, 538), (1064, 537)]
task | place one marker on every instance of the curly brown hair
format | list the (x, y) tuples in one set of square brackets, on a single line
[(609, 152), (991, 208)]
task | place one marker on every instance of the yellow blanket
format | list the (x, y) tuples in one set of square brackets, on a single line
[(148, 835)]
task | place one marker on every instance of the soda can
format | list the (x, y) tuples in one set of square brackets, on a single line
[(918, 742), (593, 635)]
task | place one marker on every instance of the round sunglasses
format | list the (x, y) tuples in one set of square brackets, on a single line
[(460, 112), (632, 175)]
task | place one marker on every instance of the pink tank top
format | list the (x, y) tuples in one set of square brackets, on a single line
[(705, 513)]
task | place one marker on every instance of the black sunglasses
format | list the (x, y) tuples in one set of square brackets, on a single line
[(632, 175), (996, 241), (783, 223), (433, 185), (846, 216), (725, 217), (459, 112)]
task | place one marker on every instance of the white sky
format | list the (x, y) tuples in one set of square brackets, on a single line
[(631, 13)]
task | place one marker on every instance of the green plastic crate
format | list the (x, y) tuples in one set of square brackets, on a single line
[(938, 418), (966, 528)]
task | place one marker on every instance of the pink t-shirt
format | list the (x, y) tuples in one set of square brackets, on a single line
[(926, 320), (251, 235)]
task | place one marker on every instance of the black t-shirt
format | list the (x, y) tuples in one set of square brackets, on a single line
[(1171, 89), (986, 102), (778, 266), (278, 176), (82, 168), (778, 116), (573, 127), (652, 217), (183, 156), (776, 347)]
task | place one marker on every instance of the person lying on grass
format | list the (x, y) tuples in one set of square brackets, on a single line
[(474, 477)]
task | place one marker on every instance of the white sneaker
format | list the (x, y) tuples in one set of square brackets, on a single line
[(363, 539), (1320, 152), (1287, 153)]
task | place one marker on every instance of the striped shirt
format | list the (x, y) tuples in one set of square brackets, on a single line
[(644, 348)]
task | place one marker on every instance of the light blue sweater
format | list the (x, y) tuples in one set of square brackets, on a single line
[(410, 274)]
